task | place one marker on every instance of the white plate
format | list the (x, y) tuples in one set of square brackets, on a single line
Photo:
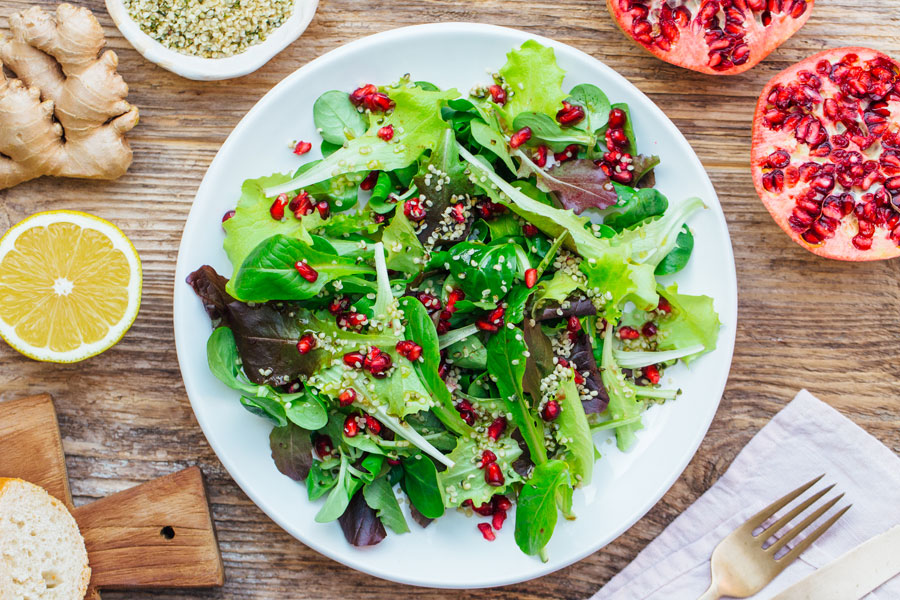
[(450, 552), (213, 69)]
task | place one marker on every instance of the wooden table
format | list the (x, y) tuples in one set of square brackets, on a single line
[(804, 322)]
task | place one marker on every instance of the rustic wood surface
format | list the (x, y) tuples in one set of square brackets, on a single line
[(804, 322)]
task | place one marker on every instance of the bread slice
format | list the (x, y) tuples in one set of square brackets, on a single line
[(42, 553)]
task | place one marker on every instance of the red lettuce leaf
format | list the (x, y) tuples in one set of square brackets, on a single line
[(583, 359), (266, 334), (360, 524), (580, 184), (291, 451)]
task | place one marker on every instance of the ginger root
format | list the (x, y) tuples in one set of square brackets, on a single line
[(66, 114)]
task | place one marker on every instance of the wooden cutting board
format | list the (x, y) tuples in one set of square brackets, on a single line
[(157, 535)]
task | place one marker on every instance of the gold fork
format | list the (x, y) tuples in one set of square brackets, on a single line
[(741, 565)]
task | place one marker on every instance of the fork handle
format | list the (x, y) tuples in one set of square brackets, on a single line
[(712, 593)]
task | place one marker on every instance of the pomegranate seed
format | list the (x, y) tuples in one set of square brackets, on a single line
[(324, 209), (664, 306), (373, 425), (573, 324), (520, 137), (306, 343), (379, 102), (354, 360), (501, 503), (497, 519), (485, 530), (649, 329), (485, 510), (429, 301), (338, 305), (386, 133), (570, 114), (347, 397), (323, 446), (617, 118), (563, 362), (414, 210), (616, 138), (628, 333), (550, 411), (393, 461), (455, 296), (485, 326), (487, 457), (496, 429), (651, 372), (498, 94), (468, 416), (228, 215), (531, 276), (277, 208), (352, 320), (306, 271), (459, 214), (351, 426), (379, 219), (443, 327), (369, 182), (570, 152), (540, 156), (301, 205), (358, 95), (409, 349), (579, 378), (377, 362), (529, 230), (493, 475), (302, 148)]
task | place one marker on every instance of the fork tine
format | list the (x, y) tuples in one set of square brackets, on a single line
[(803, 525), (806, 543), (760, 517), (777, 525)]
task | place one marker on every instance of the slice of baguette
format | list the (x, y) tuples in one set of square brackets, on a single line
[(42, 553)]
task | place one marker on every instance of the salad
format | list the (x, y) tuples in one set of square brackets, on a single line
[(454, 298)]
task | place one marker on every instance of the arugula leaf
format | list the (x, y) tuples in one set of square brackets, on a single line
[(634, 206), (594, 102), (418, 126), (506, 349), (493, 141), (479, 268), (535, 78), (360, 524), (536, 513), (337, 119), (404, 251), (291, 451), (574, 433), (423, 486), (267, 408), (268, 272), (678, 258), (420, 328), (545, 129), (466, 457), (379, 495)]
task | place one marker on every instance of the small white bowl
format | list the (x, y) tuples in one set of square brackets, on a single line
[(213, 69)]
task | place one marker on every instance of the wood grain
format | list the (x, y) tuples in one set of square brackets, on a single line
[(804, 322), (158, 534)]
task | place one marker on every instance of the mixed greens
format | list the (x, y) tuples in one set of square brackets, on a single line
[(428, 306)]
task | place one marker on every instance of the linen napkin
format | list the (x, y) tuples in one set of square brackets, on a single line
[(804, 440)]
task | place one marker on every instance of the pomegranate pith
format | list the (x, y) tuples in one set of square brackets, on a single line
[(719, 37), (826, 152)]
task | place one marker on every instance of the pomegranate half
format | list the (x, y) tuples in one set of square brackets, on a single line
[(719, 37), (826, 153)]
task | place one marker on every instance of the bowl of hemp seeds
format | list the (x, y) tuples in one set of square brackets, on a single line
[(211, 39)]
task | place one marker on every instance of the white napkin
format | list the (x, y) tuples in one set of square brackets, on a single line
[(807, 438)]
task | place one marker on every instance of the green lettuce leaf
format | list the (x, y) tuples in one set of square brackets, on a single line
[(534, 77), (574, 433), (465, 481), (693, 321)]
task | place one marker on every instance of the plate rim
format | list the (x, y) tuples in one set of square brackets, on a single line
[(728, 314)]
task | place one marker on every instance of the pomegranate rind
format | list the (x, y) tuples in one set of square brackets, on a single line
[(780, 205), (690, 51)]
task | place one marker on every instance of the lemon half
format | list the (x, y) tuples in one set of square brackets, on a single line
[(70, 286)]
